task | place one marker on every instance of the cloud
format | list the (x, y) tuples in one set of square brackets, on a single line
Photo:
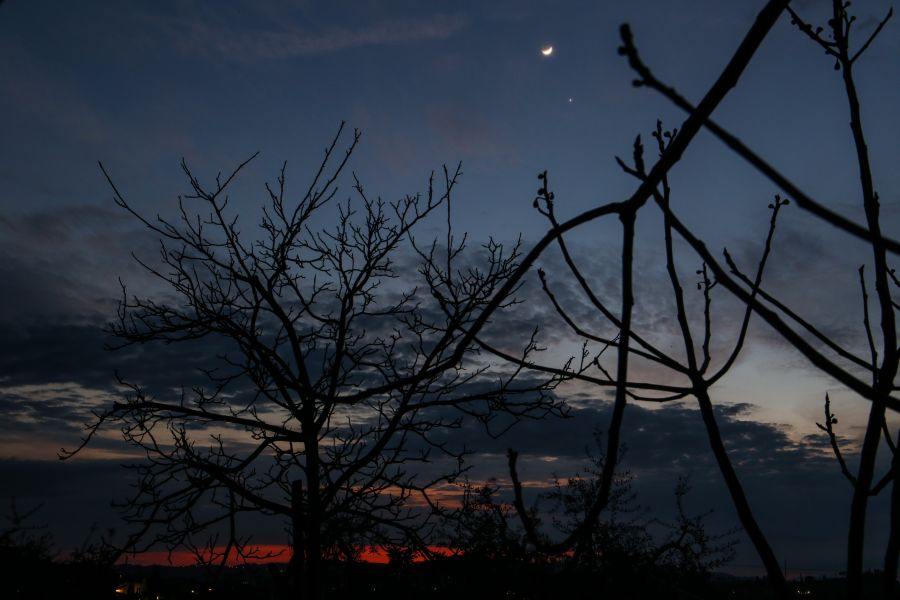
[(656, 439), (65, 261), (794, 487), (288, 40), (780, 473), (54, 369)]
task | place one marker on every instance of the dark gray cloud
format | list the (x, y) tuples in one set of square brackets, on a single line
[(812, 271), (64, 263), (141, 87), (80, 353), (55, 369), (57, 410), (56, 353), (795, 489), (794, 486), (655, 439)]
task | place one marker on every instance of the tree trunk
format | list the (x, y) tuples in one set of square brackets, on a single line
[(313, 522), (860, 502), (892, 554), (296, 575), (738, 497)]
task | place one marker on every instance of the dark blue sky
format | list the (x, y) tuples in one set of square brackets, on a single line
[(138, 86)]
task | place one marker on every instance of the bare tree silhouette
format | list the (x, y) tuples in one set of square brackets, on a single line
[(884, 357), (831, 357), (693, 369), (839, 361), (337, 382), (627, 552), (628, 548), (335, 379)]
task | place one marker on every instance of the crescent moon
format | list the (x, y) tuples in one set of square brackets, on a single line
[(547, 51)]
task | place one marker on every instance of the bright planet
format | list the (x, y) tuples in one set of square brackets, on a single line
[(547, 51)]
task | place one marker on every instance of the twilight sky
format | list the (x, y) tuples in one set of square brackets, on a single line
[(138, 86)]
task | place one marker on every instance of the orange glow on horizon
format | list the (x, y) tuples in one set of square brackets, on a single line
[(280, 553)]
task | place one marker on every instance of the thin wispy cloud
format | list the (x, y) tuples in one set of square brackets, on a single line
[(289, 41)]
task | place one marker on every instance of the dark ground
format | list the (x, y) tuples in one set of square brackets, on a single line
[(451, 578)]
